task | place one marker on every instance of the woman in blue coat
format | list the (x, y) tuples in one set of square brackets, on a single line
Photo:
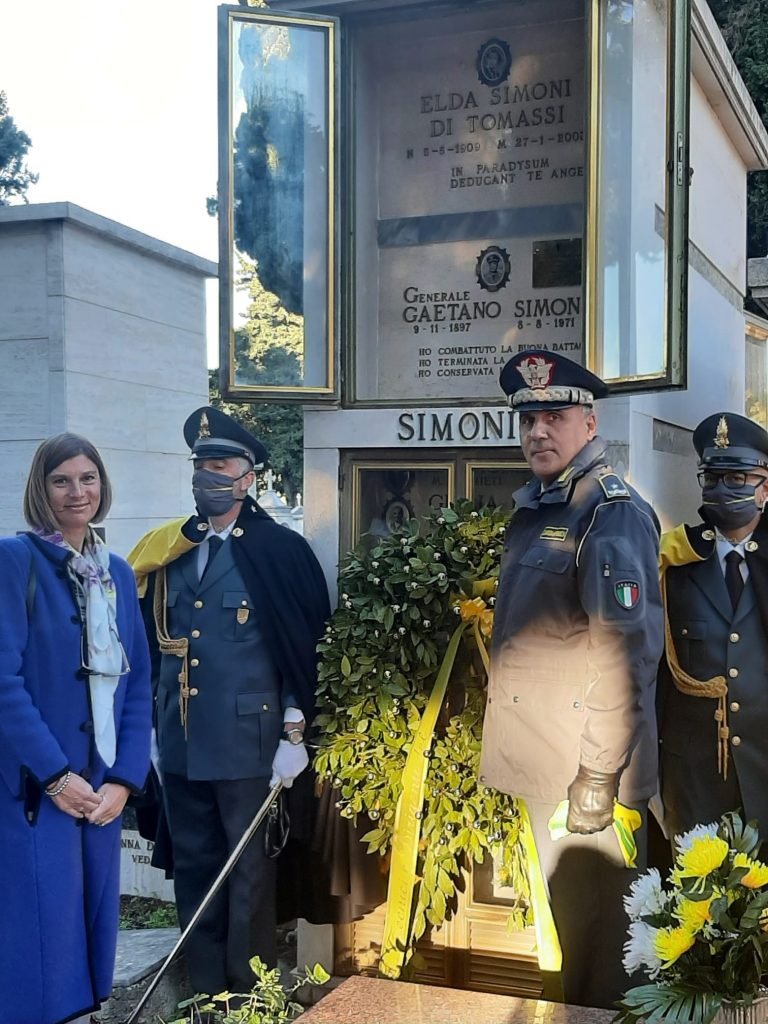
[(75, 718)]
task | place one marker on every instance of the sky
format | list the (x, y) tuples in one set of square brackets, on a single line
[(119, 100)]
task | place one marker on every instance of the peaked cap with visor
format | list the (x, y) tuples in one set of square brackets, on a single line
[(211, 434), (538, 379), (726, 440)]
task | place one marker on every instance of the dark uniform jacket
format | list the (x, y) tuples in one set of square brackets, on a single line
[(237, 692), (279, 578), (709, 639), (278, 574), (577, 637)]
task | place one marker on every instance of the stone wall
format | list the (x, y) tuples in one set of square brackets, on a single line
[(102, 332)]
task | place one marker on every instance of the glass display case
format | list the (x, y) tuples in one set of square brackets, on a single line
[(514, 176), (277, 205)]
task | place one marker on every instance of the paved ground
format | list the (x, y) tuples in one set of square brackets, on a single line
[(140, 954)]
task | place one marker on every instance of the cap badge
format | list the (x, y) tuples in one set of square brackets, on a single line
[(203, 430), (536, 371), (721, 434)]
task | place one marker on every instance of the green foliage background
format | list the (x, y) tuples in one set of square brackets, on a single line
[(380, 657), (15, 177), (267, 351), (744, 24)]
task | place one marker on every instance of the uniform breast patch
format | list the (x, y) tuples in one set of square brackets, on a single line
[(613, 486), (554, 533), (627, 593)]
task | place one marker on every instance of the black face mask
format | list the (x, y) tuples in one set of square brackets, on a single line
[(729, 508), (213, 492)]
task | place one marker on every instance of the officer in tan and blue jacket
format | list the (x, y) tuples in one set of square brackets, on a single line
[(576, 644)]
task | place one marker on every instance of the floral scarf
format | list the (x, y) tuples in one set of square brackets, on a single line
[(104, 657)]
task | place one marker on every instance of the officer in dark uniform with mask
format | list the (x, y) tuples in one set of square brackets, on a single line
[(576, 642), (713, 683), (238, 604)]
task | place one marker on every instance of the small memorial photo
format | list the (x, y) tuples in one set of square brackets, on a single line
[(494, 61), (397, 512), (493, 268)]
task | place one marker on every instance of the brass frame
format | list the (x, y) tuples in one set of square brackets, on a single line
[(677, 202), (469, 466), (228, 15), (357, 466)]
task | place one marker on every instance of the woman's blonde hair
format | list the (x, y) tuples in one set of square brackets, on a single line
[(51, 453)]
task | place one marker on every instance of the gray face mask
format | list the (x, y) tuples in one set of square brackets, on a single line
[(729, 507), (213, 492)]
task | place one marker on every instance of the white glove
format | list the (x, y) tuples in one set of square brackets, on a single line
[(290, 761)]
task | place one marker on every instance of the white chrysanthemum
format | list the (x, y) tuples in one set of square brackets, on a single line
[(685, 841), (645, 896), (640, 949)]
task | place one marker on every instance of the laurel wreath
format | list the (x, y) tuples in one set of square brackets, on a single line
[(401, 598)]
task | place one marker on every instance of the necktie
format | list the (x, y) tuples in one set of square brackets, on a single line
[(214, 544), (734, 581)]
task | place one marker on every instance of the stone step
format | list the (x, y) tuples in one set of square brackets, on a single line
[(140, 954)]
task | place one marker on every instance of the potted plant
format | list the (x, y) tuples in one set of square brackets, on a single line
[(703, 939)]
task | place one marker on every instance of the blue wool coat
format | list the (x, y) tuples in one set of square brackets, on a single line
[(59, 876)]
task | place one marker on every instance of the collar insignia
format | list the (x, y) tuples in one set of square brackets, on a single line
[(536, 371), (721, 434)]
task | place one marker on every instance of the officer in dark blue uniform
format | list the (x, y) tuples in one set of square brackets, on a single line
[(576, 642), (713, 684), (239, 605)]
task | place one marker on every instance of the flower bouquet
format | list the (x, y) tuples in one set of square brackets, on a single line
[(703, 939)]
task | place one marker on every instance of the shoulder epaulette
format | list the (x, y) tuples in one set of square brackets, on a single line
[(614, 487)]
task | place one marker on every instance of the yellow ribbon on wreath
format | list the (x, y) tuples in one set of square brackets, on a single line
[(476, 611), (407, 827), (548, 949), (626, 821)]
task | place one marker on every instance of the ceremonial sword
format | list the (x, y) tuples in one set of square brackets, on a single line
[(209, 896)]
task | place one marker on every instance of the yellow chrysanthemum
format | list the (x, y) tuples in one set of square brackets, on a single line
[(694, 914), (671, 943), (757, 876), (704, 856)]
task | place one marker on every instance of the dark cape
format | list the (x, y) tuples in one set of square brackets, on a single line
[(279, 567)]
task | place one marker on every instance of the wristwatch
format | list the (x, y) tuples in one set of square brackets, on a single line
[(294, 736)]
